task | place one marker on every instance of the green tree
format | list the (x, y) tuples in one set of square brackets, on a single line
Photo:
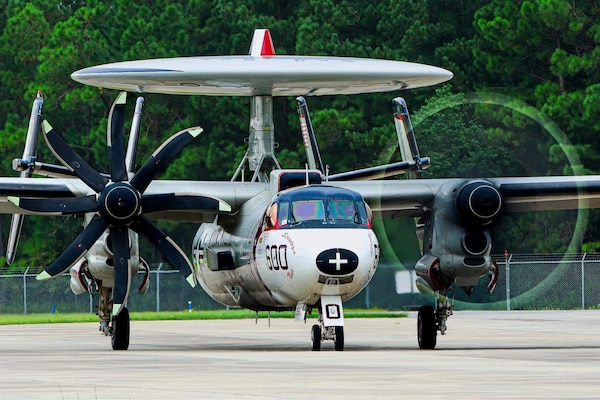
[(541, 52), (555, 53)]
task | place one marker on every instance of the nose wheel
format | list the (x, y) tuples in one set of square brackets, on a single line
[(316, 337), (338, 339), (335, 333)]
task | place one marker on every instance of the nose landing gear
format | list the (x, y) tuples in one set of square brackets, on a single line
[(335, 333), (331, 324)]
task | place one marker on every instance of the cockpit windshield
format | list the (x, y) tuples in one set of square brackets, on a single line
[(319, 206), (343, 209), (303, 210)]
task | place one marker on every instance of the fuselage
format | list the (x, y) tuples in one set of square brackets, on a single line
[(287, 249)]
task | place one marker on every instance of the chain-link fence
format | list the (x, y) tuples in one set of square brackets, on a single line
[(168, 291), (533, 281), (525, 282)]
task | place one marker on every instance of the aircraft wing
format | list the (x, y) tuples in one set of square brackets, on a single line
[(402, 198), (411, 198), (233, 194), (398, 198), (549, 193)]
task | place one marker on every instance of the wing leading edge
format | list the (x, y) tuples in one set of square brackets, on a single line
[(231, 194), (412, 198)]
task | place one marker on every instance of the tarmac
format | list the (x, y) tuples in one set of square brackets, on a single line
[(485, 355)]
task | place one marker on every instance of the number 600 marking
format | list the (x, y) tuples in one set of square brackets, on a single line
[(277, 257)]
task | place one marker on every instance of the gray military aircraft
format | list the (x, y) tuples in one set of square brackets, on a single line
[(281, 239)]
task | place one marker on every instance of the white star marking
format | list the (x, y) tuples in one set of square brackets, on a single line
[(338, 261)]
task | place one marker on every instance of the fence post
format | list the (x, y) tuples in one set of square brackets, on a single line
[(583, 281), (25, 291), (158, 287), (507, 259)]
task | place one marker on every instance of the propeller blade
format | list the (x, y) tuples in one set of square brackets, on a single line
[(76, 249), (166, 246), (115, 137), (119, 237), (170, 201), (71, 160), (16, 223), (57, 206), (160, 159)]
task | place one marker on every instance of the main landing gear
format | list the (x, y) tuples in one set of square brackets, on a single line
[(430, 321), (115, 326)]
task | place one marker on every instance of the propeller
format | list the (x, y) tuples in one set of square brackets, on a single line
[(119, 203)]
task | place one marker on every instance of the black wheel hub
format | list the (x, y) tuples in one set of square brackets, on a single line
[(119, 203)]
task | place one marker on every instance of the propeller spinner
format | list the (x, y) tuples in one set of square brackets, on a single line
[(119, 203)]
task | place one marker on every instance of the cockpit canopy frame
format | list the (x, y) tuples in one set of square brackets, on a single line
[(318, 206)]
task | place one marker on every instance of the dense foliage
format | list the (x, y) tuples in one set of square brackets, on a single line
[(505, 55)]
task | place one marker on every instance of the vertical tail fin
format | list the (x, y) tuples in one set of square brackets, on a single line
[(308, 135), (26, 165), (134, 137), (406, 136)]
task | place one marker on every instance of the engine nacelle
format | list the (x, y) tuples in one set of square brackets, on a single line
[(456, 239), (478, 202), (100, 263), (213, 246)]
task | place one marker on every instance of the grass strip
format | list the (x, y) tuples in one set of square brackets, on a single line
[(16, 319)]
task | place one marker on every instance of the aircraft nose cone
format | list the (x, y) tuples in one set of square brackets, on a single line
[(337, 261)]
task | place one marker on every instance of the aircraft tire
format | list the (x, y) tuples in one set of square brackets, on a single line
[(426, 328), (339, 338), (120, 333), (316, 338)]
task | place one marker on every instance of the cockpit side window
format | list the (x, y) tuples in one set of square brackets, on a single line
[(270, 217), (308, 210), (282, 216)]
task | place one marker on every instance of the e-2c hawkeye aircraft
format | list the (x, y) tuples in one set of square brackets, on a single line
[(279, 239)]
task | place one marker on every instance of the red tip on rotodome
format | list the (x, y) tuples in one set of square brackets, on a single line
[(262, 44), (267, 46)]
